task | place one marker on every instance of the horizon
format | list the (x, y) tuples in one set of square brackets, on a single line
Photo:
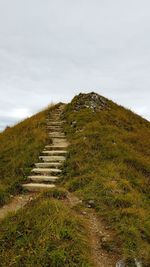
[(41, 109), (53, 50)]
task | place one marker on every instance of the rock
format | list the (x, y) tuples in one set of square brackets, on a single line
[(120, 263), (104, 239), (91, 203), (138, 263), (126, 263), (73, 123), (91, 101), (107, 227)]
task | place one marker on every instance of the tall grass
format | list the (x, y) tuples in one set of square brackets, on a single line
[(45, 233)]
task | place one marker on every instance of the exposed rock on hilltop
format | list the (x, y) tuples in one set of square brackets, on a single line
[(91, 100)]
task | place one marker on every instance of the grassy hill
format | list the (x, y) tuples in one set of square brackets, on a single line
[(109, 163), (108, 167)]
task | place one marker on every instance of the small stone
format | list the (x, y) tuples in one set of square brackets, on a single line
[(104, 239), (138, 263), (120, 263), (107, 227), (127, 262), (73, 123), (91, 203)]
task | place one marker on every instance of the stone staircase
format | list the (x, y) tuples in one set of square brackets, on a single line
[(48, 170)]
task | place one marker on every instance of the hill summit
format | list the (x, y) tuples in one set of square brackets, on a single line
[(92, 101)]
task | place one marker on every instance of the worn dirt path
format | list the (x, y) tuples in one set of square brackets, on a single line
[(98, 235), (16, 203)]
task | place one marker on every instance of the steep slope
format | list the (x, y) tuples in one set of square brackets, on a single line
[(109, 167), (19, 149)]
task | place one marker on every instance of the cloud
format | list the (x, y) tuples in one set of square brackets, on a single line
[(52, 50), (19, 113)]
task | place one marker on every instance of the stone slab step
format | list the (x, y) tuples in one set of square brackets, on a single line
[(54, 114), (56, 135), (35, 187), (43, 178), (50, 130), (46, 170), (54, 128), (54, 152), (59, 141), (48, 164), (52, 122), (52, 158), (53, 148)]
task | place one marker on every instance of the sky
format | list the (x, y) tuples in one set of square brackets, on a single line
[(51, 50)]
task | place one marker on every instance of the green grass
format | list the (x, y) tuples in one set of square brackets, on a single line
[(109, 162), (54, 236), (20, 147)]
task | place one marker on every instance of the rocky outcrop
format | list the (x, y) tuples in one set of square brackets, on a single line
[(91, 101)]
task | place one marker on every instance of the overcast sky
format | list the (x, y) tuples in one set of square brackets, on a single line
[(51, 50)]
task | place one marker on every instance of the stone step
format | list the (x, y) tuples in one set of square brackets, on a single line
[(51, 115), (43, 178), (46, 170), (54, 128), (52, 122), (55, 147), (54, 152), (54, 118), (54, 131), (57, 136), (55, 165), (35, 187), (57, 133), (52, 158), (59, 142)]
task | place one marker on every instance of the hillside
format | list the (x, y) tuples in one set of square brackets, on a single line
[(109, 166), (19, 147), (107, 171)]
